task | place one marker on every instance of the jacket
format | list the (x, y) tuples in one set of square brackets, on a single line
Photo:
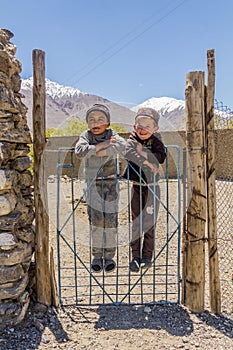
[(98, 167), (156, 155)]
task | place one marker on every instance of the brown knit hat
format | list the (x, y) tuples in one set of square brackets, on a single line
[(101, 108)]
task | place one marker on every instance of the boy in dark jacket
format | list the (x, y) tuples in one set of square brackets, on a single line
[(99, 146), (144, 151)]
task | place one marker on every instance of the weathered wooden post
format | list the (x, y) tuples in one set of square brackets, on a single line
[(194, 283), (214, 281), (43, 281)]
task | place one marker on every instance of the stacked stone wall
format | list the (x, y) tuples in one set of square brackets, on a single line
[(16, 191)]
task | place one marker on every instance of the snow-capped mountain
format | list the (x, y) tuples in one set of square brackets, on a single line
[(53, 89), (64, 102), (171, 110)]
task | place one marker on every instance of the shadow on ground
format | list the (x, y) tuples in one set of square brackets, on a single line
[(170, 317), (29, 334), (173, 318), (43, 326), (219, 322)]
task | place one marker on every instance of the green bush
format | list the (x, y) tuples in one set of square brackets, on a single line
[(76, 127)]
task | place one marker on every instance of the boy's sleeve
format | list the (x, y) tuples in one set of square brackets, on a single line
[(158, 150), (83, 148), (118, 147), (131, 153)]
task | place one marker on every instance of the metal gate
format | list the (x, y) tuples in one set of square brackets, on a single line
[(77, 284)]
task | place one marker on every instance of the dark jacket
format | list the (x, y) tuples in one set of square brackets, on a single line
[(156, 154), (94, 166)]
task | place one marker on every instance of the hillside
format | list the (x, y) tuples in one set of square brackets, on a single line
[(64, 102)]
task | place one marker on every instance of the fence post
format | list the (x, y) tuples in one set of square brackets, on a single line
[(214, 281), (43, 282), (194, 283)]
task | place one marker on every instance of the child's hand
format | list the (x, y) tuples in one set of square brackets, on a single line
[(112, 140), (103, 145), (153, 167), (101, 153)]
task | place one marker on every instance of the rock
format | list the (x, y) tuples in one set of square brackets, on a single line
[(147, 310), (7, 203), (8, 222), (7, 101), (11, 273), (25, 234), (38, 325), (22, 163), (14, 289), (45, 339), (7, 241), (6, 151), (17, 255), (6, 179), (38, 307)]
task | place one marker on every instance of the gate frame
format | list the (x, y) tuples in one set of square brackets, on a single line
[(72, 247), (45, 281)]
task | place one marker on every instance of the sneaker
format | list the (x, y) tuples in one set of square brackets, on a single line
[(97, 264), (145, 263), (109, 265), (134, 265)]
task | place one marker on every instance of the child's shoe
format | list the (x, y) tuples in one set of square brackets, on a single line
[(134, 265), (109, 265), (146, 263), (97, 264)]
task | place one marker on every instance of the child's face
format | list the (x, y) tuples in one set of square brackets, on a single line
[(145, 127), (97, 122)]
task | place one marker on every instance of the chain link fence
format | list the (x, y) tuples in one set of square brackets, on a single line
[(224, 193)]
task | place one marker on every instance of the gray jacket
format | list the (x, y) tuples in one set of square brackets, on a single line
[(93, 166)]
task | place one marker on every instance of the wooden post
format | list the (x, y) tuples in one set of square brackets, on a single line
[(43, 281), (214, 281), (196, 213), (55, 296)]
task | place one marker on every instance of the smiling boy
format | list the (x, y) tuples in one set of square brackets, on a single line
[(144, 151), (99, 146)]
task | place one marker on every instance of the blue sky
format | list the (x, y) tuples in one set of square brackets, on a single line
[(125, 50)]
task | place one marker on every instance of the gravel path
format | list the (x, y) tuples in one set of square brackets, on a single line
[(118, 328)]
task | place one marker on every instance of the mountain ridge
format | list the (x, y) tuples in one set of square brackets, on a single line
[(64, 102)]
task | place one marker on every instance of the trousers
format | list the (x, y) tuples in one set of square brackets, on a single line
[(102, 198), (144, 207)]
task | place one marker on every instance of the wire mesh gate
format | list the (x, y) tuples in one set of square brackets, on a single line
[(77, 283)]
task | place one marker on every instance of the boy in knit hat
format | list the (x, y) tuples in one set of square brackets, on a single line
[(99, 146), (144, 151)]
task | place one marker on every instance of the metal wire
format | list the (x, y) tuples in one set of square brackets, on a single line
[(224, 200), (79, 285)]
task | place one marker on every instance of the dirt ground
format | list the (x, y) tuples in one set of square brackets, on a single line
[(149, 326), (119, 328)]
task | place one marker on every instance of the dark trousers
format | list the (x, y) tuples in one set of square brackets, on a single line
[(102, 212), (144, 206)]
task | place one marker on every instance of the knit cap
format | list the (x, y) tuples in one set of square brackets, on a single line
[(101, 108), (148, 112)]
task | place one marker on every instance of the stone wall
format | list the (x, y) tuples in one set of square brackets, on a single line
[(16, 200)]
